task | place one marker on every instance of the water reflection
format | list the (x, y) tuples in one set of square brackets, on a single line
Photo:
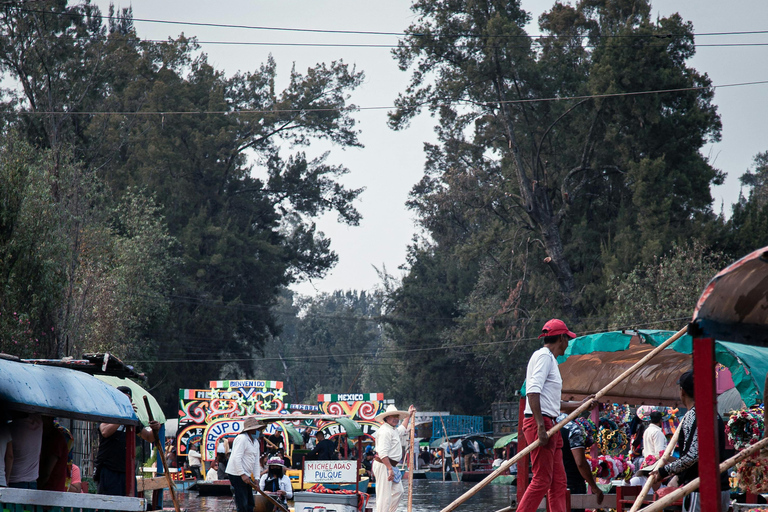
[(428, 496)]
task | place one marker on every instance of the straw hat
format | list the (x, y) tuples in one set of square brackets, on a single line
[(253, 424), (391, 411)]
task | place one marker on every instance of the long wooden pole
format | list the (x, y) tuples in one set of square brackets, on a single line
[(651, 479), (583, 407), (450, 447), (161, 454), (694, 484), (411, 424), (270, 498)]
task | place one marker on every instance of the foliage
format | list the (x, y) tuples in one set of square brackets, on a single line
[(329, 343), (545, 201), (221, 157), (662, 294)]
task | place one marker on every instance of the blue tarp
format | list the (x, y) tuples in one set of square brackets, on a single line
[(62, 392)]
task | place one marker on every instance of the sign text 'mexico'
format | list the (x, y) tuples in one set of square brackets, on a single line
[(330, 471)]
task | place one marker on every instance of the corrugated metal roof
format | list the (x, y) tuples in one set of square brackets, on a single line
[(62, 392)]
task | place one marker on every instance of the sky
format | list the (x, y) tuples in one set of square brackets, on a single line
[(391, 162)]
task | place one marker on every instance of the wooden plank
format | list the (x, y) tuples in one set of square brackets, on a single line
[(26, 497), (585, 501), (151, 484)]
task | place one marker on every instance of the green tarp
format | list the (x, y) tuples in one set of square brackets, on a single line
[(138, 393), (352, 429)]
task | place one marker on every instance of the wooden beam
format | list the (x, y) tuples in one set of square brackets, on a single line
[(151, 484), (71, 499)]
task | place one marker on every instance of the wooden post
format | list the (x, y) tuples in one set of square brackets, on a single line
[(706, 418), (412, 425), (130, 460), (161, 456), (583, 407), (522, 442)]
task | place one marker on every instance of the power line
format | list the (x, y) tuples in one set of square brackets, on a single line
[(389, 351), (383, 33), (353, 108)]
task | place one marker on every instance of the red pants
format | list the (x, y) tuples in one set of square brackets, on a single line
[(548, 471)]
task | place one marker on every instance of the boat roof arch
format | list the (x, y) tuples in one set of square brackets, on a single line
[(62, 392)]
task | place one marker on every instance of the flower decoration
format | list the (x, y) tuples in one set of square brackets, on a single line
[(589, 429), (612, 442), (745, 428), (753, 474)]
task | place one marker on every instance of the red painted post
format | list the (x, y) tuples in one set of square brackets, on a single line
[(706, 421), (130, 460), (522, 464)]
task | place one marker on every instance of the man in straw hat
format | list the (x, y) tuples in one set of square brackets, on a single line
[(243, 463), (389, 452), (275, 481), (542, 394)]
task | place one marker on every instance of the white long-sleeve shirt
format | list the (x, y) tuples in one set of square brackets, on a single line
[(389, 441), (194, 458), (285, 485), (654, 441), (244, 458)]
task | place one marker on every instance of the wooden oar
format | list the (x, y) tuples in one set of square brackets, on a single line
[(583, 407), (411, 424), (694, 484), (651, 479), (161, 454), (456, 467), (270, 498)]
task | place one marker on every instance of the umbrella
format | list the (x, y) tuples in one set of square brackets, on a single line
[(504, 441), (734, 305)]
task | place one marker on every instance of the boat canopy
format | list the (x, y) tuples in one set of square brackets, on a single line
[(504, 441), (734, 305), (656, 383), (62, 392), (138, 394), (351, 427)]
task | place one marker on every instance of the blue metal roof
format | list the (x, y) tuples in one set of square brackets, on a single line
[(62, 392)]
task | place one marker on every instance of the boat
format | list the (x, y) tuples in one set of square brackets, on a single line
[(299, 485), (214, 488), (361, 486), (54, 390)]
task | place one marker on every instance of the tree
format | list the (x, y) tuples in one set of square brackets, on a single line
[(233, 186), (556, 163), (557, 167)]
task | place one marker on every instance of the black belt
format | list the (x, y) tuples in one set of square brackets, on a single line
[(544, 415)]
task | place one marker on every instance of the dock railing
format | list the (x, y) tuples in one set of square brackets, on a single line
[(18, 500)]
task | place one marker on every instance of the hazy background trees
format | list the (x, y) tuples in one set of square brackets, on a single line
[(154, 207)]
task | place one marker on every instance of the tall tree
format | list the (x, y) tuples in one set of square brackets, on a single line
[(235, 189), (558, 163)]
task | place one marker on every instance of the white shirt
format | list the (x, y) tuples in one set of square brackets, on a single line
[(543, 377), (223, 447), (211, 475), (388, 442), (194, 457), (27, 434), (285, 485), (244, 459), (654, 441)]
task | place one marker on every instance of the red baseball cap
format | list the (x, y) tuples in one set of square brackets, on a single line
[(555, 327)]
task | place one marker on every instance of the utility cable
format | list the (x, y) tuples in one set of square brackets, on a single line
[(353, 108)]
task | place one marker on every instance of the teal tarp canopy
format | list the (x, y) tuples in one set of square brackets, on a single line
[(504, 441), (748, 364), (62, 392)]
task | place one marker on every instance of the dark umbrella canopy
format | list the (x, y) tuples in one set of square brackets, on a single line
[(734, 305)]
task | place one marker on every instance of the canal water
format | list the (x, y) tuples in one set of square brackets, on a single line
[(428, 496)]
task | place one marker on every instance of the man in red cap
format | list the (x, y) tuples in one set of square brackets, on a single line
[(543, 389)]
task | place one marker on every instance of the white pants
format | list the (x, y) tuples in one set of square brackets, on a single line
[(387, 493)]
